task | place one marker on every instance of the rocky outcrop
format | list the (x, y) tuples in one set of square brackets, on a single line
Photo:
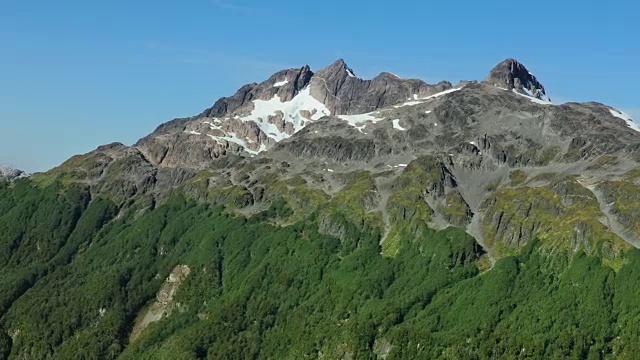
[(564, 215), (343, 93), (9, 174), (512, 75), (285, 84)]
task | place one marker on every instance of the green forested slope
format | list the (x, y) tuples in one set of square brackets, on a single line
[(78, 273)]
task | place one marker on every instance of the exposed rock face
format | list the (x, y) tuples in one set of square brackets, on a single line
[(7, 173), (164, 303), (344, 94), (512, 75), (285, 84)]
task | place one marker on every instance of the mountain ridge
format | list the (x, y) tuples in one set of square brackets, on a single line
[(479, 132), (262, 130)]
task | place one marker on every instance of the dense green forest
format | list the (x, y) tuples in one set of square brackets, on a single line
[(77, 272)]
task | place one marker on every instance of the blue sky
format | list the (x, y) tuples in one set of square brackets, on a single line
[(78, 74)]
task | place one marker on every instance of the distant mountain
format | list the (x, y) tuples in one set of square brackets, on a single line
[(7, 173), (320, 215)]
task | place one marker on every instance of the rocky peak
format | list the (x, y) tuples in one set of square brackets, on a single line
[(259, 115), (287, 83), (8, 173), (388, 75), (284, 84), (512, 75), (344, 93), (337, 69)]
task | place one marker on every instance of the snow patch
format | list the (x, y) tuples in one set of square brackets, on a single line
[(428, 112), (396, 125), (441, 93), (420, 100), (291, 111), (627, 118), (528, 91), (329, 170), (408, 103), (350, 73), (281, 83), (545, 98), (532, 98), (359, 121), (231, 137), (215, 125), (193, 132)]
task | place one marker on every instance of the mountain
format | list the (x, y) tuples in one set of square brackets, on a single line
[(317, 214)]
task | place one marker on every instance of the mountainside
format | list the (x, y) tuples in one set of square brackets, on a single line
[(317, 214)]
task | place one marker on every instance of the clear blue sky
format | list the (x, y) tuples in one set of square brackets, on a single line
[(78, 74)]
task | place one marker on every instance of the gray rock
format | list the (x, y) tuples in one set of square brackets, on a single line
[(9, 174), (335, 86), (512, 75), (343, 93), (296, 80)]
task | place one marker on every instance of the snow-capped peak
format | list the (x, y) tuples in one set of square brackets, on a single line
[(512, 75), (291, 112)]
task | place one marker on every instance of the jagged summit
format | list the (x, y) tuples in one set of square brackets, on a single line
[(512, 75), (9, 173), (338, 67), (260, 115)]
